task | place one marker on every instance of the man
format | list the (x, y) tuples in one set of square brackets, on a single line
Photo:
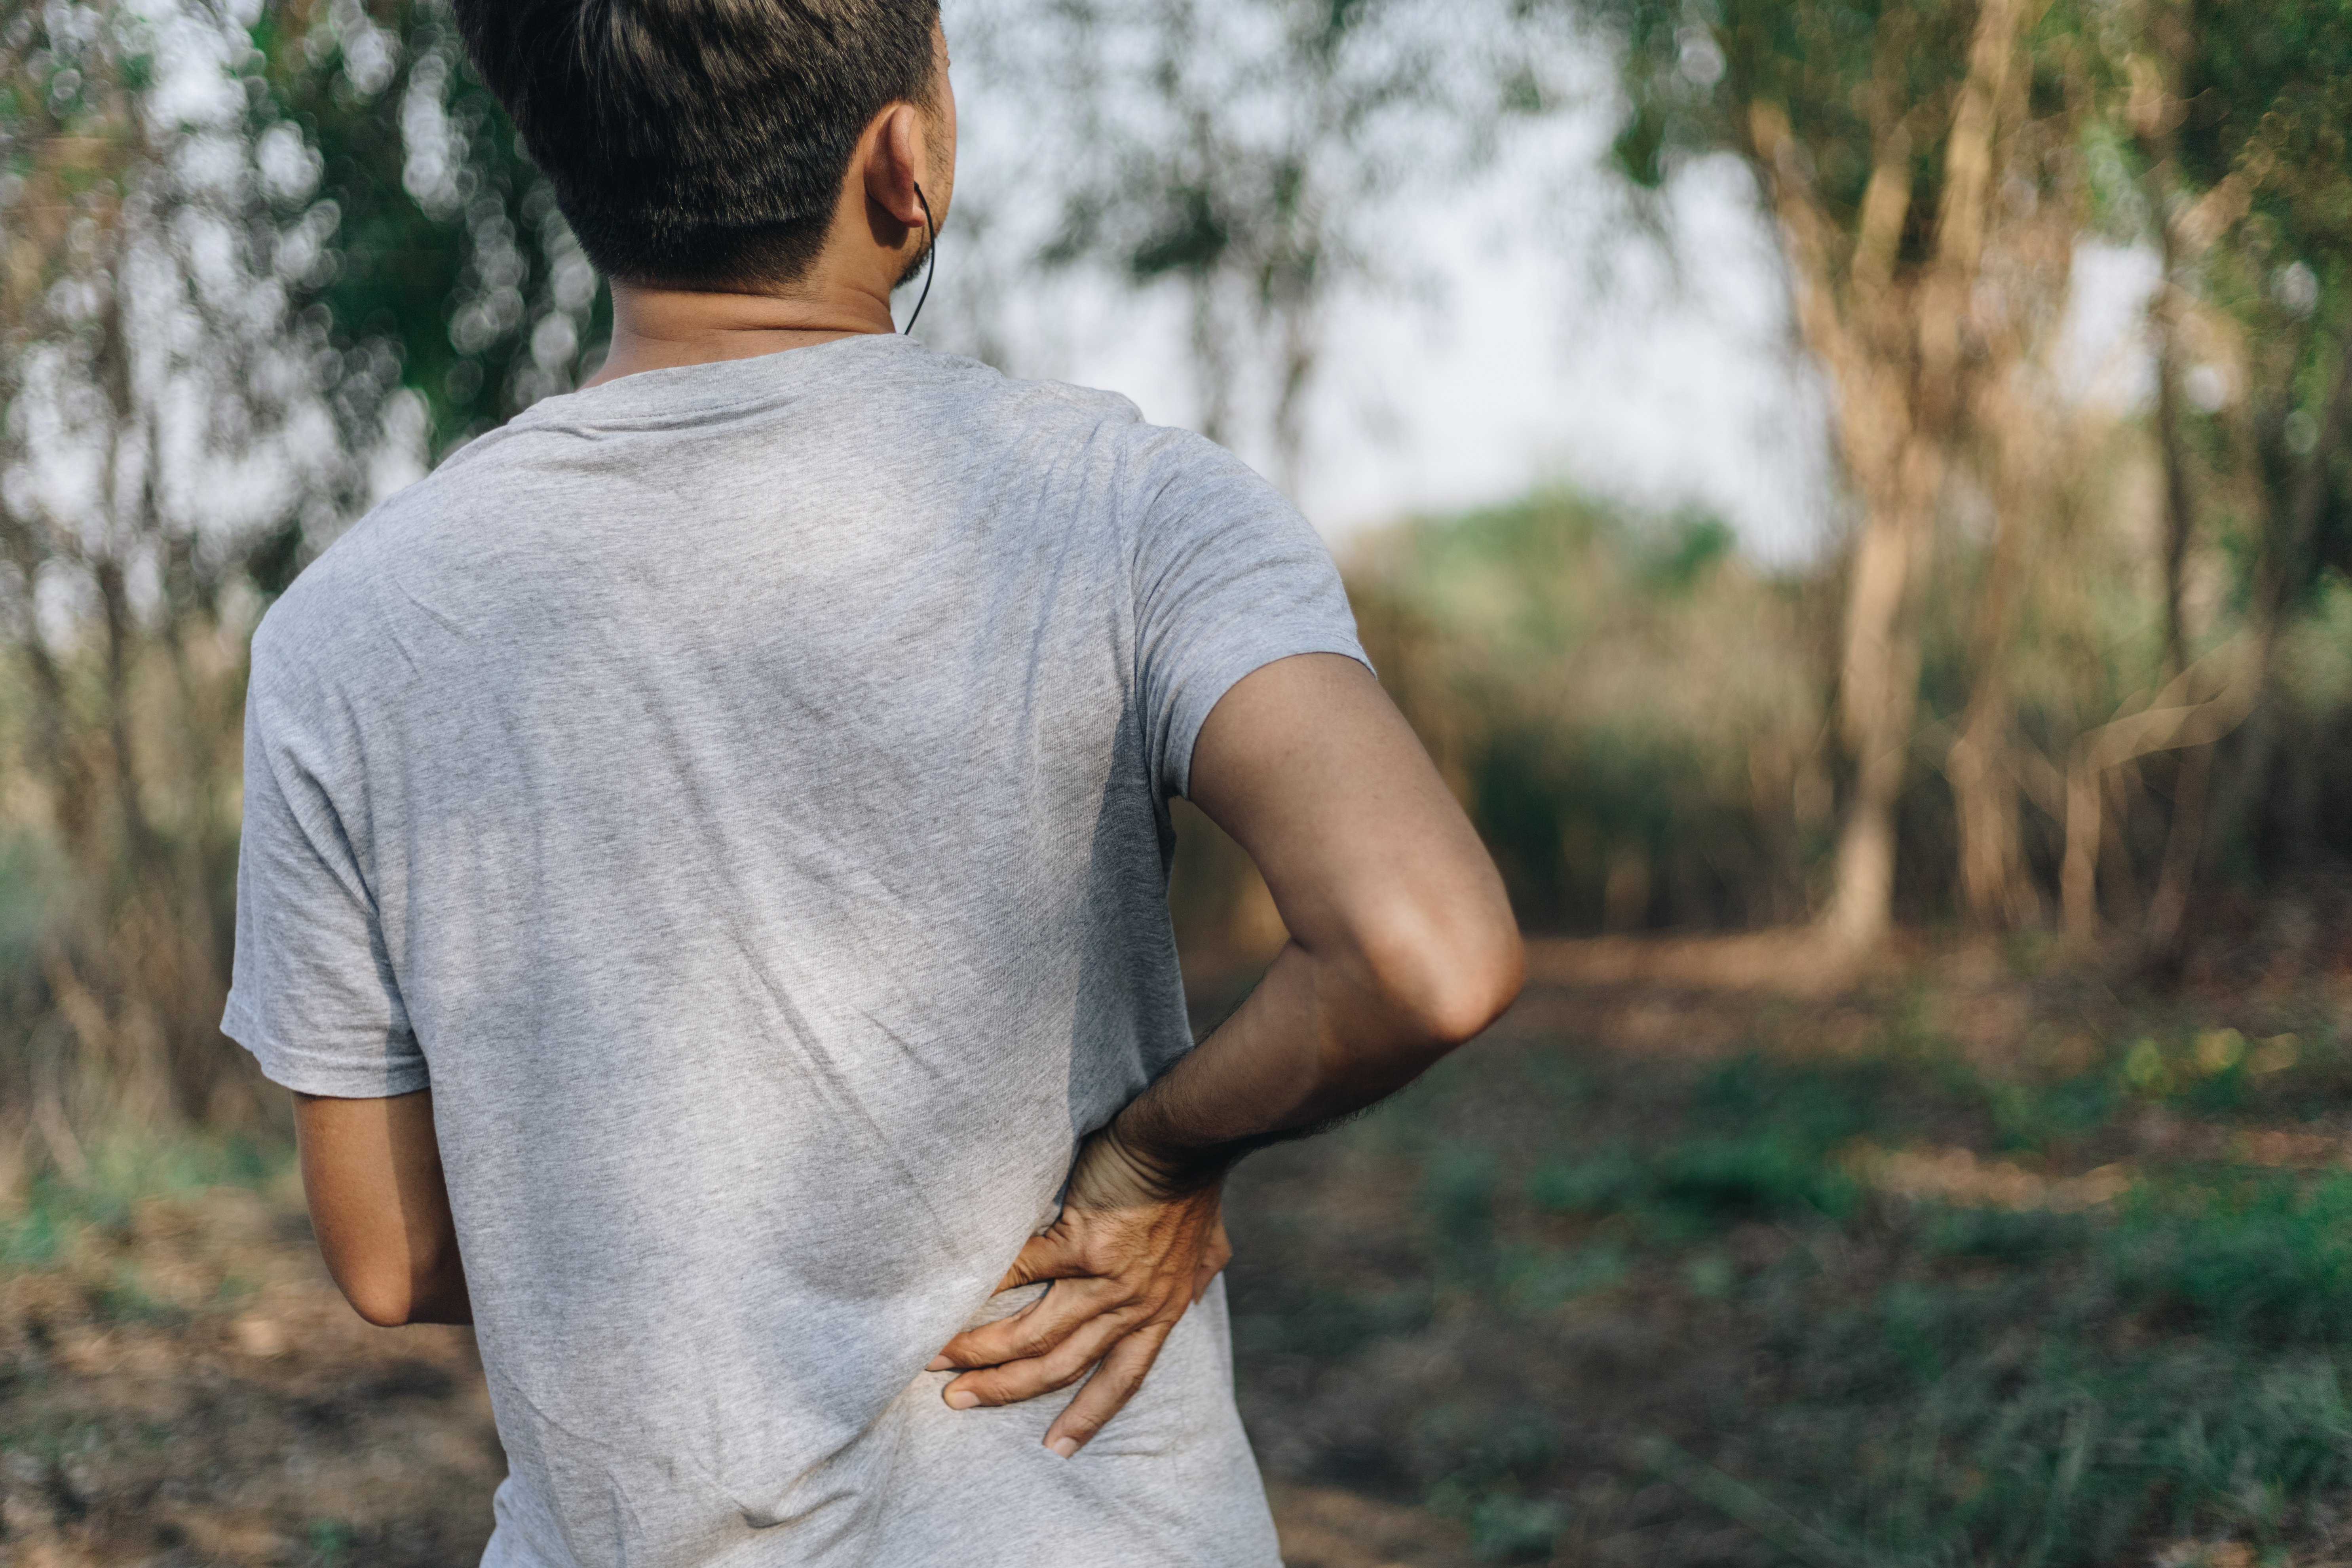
[(705, 864)]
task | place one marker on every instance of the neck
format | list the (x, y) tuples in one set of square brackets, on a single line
[(657, 329)]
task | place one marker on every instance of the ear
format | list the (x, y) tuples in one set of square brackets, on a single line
[(892, 171)]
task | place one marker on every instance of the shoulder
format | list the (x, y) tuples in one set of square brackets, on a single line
[(330, 618), (441, 520), (1154, 466), (1020, 407), (1130, 477)]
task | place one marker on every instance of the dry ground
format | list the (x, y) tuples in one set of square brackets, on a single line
[(181, 1384), (189, 1389)]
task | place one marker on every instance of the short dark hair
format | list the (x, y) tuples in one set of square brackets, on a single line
[(699, 141)]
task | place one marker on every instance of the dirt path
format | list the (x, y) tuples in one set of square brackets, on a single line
[(186, 1387), (180, 1384)]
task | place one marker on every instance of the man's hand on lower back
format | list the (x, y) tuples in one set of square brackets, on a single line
[(1126, 1258), (1402, 947)]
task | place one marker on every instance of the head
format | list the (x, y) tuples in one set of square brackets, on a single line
[(710, 144)]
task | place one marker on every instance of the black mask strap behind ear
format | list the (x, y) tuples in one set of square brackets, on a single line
[(930, 263)]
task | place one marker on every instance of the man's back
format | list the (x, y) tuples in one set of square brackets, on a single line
[(737, 790)]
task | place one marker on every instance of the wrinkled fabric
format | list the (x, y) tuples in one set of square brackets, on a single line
[(739, 793)]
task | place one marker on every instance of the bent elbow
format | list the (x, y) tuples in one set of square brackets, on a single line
[(395, 1292), (386, 1302), (1447, 975), (1481, 982)]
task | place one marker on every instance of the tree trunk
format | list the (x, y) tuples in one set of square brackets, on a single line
[(2184, 838), (2178, 507), (1878, 681), (2175, 720), (2293, 528), (1896, 356), (1995, 888), (2167, 908)]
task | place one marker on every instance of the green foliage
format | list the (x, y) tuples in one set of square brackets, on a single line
[(254, 319), (1942, 1383), (446, 251), (330, 1543), (2277, 78), (2260, 1257), (1752, 1142), (1615, 695), (1534, 1281), (2264, 101), (1606, 1179), (1492, 1462), (2036, 1116), (1246, 153), (57, 1211), (2218, 128), (2025, 1235), (1332, 1324), (1845, 75)]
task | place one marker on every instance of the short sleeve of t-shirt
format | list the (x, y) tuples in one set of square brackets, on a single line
[(1229, 578), (313, 997)]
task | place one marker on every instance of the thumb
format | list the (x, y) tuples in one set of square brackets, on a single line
[(1214, 1259)]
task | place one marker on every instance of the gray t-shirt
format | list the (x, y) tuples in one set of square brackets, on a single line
[(739, 793)]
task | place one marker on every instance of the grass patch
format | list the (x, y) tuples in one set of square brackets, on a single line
[(1931, 1381), (56, 1214)]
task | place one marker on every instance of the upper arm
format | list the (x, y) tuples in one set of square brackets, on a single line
[(1228, 578), (316, 1000), (1310, 767), (380, 1205), (1259, 706), (313, 994)]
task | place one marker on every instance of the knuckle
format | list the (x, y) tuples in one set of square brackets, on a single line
[(1062, 1377), (1014, 1390)]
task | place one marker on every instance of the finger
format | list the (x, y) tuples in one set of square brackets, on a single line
[(1107, 1393), (1060, 1367), (1053, 1255), (1035, 1329), (958, 1351)]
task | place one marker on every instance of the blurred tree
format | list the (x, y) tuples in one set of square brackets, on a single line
[(447, 252), (240, 299), (1626, 705), (2241, 116), (160, 418), (1898, 142), (1245, 149)]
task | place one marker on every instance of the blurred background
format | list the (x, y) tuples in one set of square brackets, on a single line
[(1856, 496)]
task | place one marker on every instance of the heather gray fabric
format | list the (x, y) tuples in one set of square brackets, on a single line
[(738, 792)]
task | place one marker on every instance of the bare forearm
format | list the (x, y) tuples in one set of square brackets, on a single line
[(437, 1294), (380, 1208), (1314, 1042), (1402, 942)]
